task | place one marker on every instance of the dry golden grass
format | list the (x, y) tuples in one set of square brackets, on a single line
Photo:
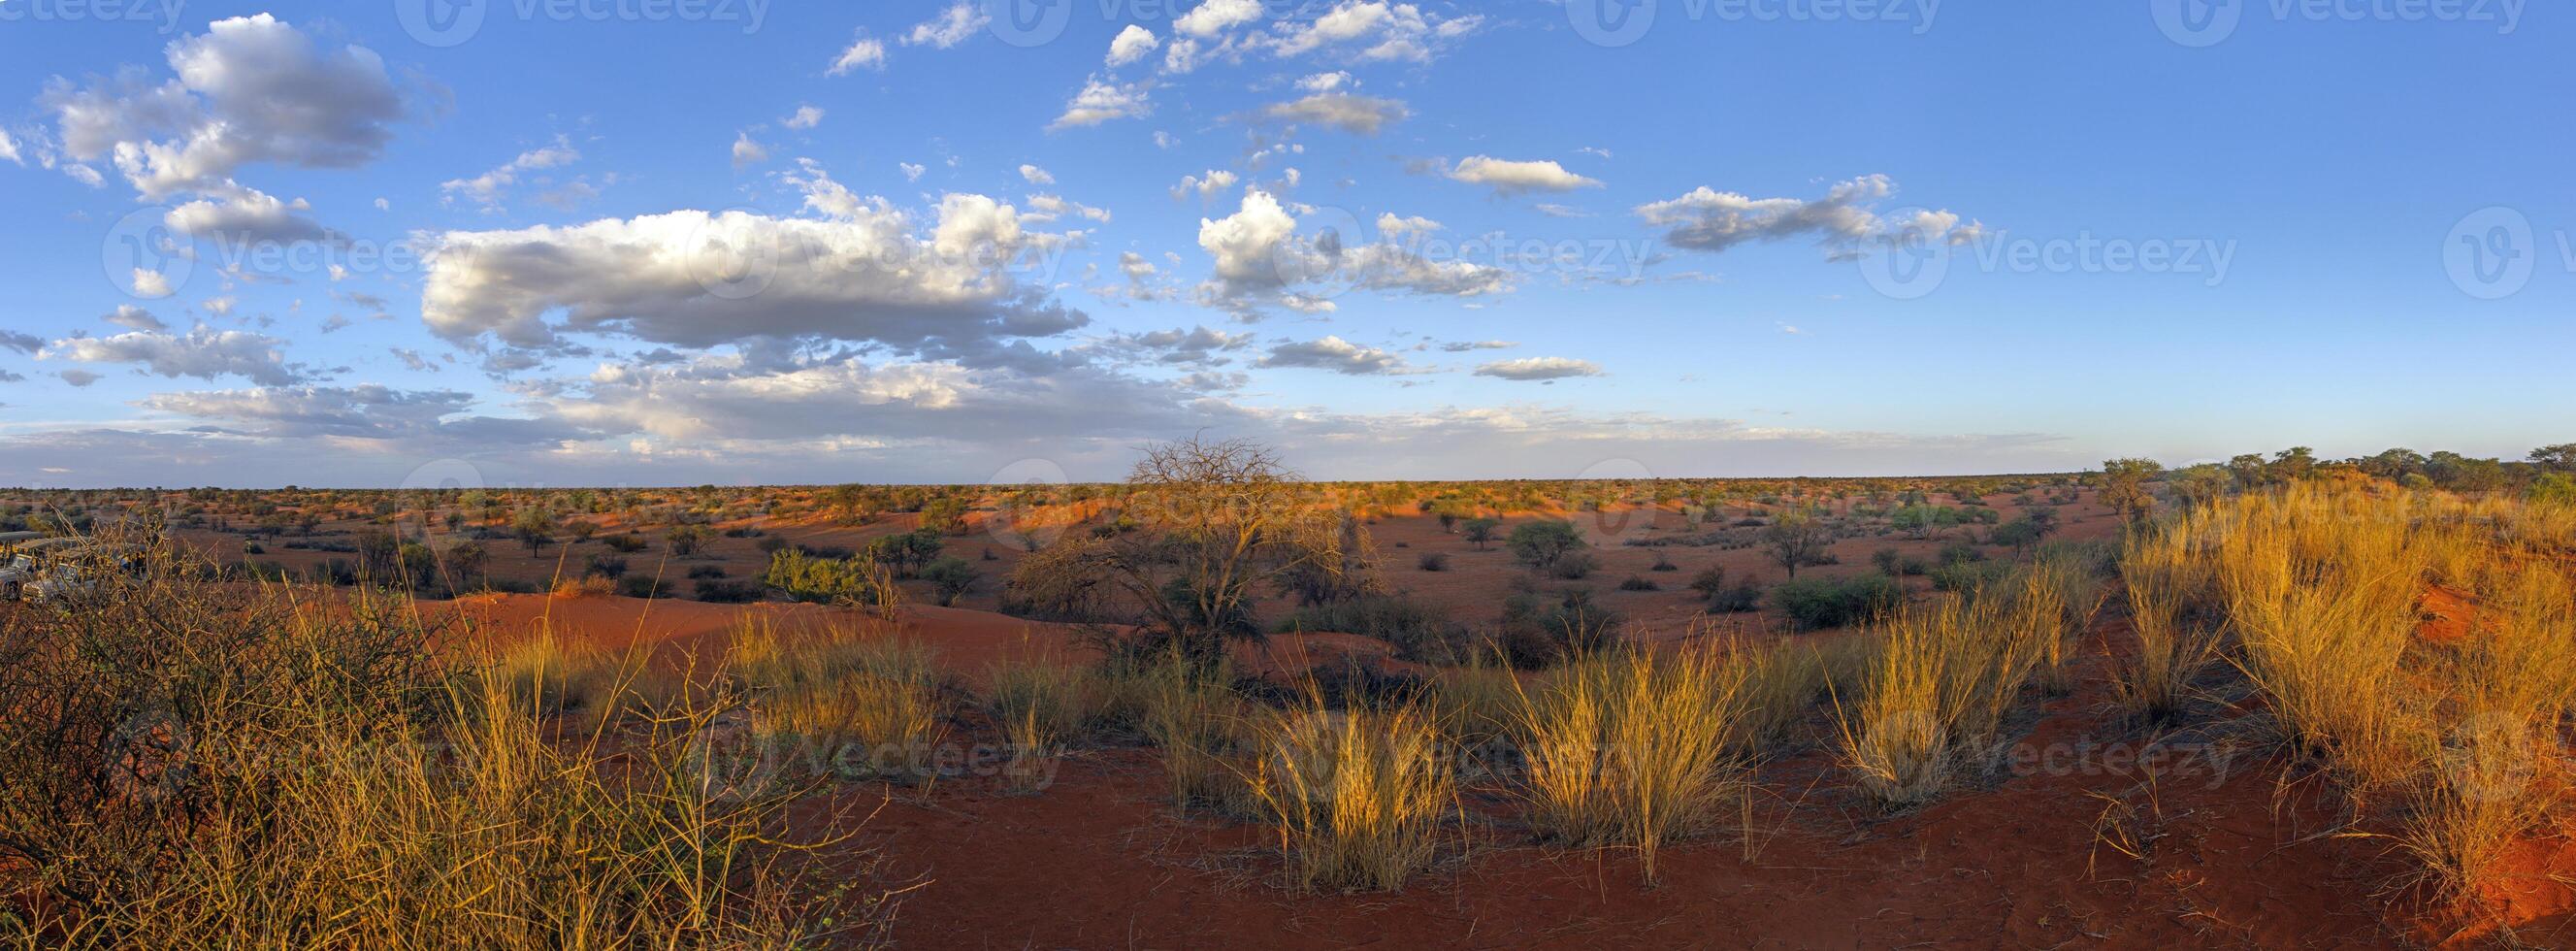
[(2172, 645), (1039, 706), (1632, 749), (1935, 694), (867, 703), (1361, 799), (1204, 731), (308, 774), (2458, 741)]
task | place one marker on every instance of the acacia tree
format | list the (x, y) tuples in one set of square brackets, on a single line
[(2124, 486), (1796, 537)]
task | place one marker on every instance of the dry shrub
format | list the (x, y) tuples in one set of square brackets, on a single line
[(1632, 749)]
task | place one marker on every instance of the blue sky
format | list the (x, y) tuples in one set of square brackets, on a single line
[(641, 243)]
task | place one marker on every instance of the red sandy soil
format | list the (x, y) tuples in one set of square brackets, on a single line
[(2233, 847)]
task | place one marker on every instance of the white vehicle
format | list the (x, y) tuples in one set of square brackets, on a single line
[(15, 575), (65, 581)]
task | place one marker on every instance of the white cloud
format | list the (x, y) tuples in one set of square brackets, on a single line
[(1100, 102), (1216, 16), (487, 189), (9, 149), (244, 215), (1258, 257), (1844, 221), (864, 52), (1131, 45), (1392, 226), (250, 90), (1364, 115), (1325, 82), (1540, 369), (806, 117), (1512, 178), (1047, 208), (131, 317), (691, 278), (953, 26), (1035, 175), (150, 284), (1216, 180), (201, 353), (747, 152), (1335, 354), (911, 172)]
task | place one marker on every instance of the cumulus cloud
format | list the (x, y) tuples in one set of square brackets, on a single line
[(1131, 44), (243, 215), (1844, 221), (1216, 180), (1367, 30), (1511, 178), (1363, 115), (1214, 17), (690, 278), (953, 26), (1335, 354), (1260, 258), (1047, 208), (864, 52), (201, 353), (1035, 175), (1101, 101), (1540, 369), (250, 90), (806, 117), (9, 149), (1393, 226)]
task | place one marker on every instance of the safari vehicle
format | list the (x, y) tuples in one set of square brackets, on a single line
[(50, 568)]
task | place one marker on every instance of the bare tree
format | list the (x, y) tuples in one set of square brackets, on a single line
[(1216, 521)]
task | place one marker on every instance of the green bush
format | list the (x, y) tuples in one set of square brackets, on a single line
[(822, 580), (1821, 602)]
